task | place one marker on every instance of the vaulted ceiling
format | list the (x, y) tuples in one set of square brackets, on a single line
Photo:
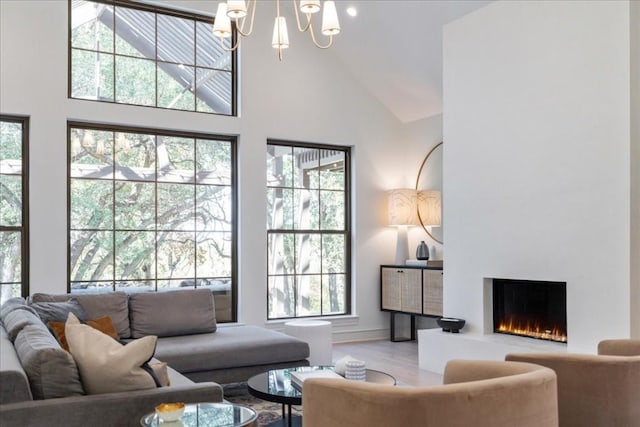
[(394, 47)]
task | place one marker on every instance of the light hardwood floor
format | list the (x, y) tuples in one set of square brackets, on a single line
[(399, 359)]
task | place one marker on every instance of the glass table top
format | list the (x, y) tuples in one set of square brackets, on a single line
[(206, 414), (276, 385)]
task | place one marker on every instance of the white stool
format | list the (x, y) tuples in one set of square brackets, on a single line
[(316, 333)]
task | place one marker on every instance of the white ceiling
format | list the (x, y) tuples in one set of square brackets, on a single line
[(394, 47)]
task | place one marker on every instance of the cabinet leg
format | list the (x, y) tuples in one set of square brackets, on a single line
[(392, 327), (413, 327)]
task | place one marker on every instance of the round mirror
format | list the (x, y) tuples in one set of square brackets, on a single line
[(429, 188)]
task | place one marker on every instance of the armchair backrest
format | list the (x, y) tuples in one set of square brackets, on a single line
[(478, 393), (622, 347), (593, 390)]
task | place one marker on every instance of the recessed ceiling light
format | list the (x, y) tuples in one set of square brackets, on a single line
[(352, 11)]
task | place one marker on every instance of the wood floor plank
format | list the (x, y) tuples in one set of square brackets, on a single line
[(399, 359)]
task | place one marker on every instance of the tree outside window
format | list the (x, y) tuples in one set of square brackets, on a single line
[(308, 230), (14, 229), (152, 210), (135, 53)]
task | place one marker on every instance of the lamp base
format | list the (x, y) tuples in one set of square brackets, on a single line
[(402, 245)]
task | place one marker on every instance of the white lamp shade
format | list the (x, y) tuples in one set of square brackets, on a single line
[(280, 38), (236, 9), (430, 207), (222, 23), (309, 6), (402, 205), (330, 24)]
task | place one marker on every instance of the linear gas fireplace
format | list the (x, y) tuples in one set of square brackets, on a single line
[(529, 308)]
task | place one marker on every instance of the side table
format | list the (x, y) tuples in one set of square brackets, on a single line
[(209, 415), (275, 386)]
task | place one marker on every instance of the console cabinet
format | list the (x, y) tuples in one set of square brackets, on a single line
[(412, 290)]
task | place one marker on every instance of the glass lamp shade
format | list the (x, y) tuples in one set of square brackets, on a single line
[(402, 205), (280, 38), (330, 24), (309, 6), (430, 208), (222, 23), (236, 9)]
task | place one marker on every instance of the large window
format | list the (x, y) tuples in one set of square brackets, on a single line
[(14, 214), (308, 229), (151, 210), (132, 53)]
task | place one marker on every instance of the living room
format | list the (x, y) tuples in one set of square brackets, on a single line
[(539, 119)]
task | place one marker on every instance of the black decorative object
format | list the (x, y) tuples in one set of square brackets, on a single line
[(451, 324), (422, 251)]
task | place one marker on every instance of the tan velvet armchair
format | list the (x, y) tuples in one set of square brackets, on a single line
[(474, 393), (595, 390)]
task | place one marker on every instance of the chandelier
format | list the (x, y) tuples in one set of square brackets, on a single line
[(239, 11)]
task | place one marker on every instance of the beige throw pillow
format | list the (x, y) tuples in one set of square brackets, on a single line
[(105, 365)]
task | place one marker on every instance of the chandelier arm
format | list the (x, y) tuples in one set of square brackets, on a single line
[(318, 45), (295, 9), (234, 47), (240, 25)]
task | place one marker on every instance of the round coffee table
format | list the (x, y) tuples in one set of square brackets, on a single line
[(275, 386), (207, 414)]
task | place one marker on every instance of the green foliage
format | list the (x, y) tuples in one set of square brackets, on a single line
[(306, 218), (140, 224), (143, 64), (11, 204)]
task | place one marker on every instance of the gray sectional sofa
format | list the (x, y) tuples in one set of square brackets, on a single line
[(40, 384)]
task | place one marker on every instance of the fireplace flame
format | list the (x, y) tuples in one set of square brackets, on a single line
[(528, 329)]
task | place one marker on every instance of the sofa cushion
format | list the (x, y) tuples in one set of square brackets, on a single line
[(112, 304), (52, 372), (16, 303), (58, 311), (16, 320), (106, 366), (172, 313), (230, 347)]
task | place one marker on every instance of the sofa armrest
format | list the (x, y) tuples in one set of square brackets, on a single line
[(111, 409)]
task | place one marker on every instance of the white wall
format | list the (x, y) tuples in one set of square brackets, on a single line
[(307, 97), (634, 20), (536, 166)]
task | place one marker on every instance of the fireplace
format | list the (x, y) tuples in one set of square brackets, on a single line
[(529, 308)]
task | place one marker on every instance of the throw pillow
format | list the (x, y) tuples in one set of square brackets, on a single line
[(105, 365), (58, 311), (112, 304), (161, 372), (103, 324)]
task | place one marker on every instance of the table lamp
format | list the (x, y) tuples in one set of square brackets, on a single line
[(403, 211), (430, 208)]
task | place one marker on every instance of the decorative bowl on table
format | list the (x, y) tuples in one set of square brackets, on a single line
[(450, 324), (170, 412)]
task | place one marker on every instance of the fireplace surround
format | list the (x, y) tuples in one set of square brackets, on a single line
[(530, 308)]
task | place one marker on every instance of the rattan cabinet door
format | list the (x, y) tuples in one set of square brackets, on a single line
[(391, 289), (411, 290), (432, 292)]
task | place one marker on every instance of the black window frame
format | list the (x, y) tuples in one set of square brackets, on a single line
[(24, 228), (156, 9), (347, 232), (233, 141)]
